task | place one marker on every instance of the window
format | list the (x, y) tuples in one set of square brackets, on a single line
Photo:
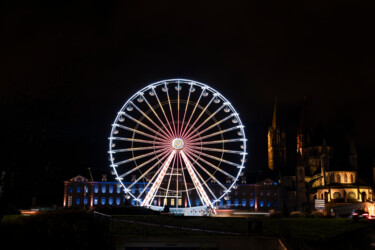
[(85, 200), (110, 189), (96, 189), (228, 203), (104, 189), (86, 189), (133, 202), (118, 201), (110, 200), (118, 189), (221, 203), (155, 202), (244, 202), (172, 202), (140, 189), (236, 202), (268, 203), (352, 178), (345, 178), (103, 201), (78, 189), (180, 202), (338, 178), (252, 203), (197, 202), (96, 200), (78, 201), (275, 204), (332, 178), (336, 195), (133, 190), (70, 189), (351, 195), (261, 203)]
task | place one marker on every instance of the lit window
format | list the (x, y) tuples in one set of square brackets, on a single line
[(78, 189), (252, 203), (228, 203), (110, 189), (104, 189), (86, 189), (338, 178), (118, 200), (110, 200), (118, 189), (172, 202), (197, 202), (78, 201), (96, 189), (70, 189), (140, 189), (236, 202), (261, 203), (268, 203), (345, 178), (147, 190), (244, 202), (155, 202), (165, 202), (133, 190), (221, 203), (85, 200), (96, 200), (103, 201), (133, 202), (336, 195), (180, 202)]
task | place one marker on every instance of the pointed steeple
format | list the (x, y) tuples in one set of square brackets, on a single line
[(274, 113)]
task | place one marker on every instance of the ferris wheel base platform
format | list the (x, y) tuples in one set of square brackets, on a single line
[(185, 211)]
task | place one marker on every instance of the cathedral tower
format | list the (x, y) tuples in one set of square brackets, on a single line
[(276, 143)]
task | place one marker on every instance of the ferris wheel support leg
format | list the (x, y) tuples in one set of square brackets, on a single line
[(159, 179), (196, 181)]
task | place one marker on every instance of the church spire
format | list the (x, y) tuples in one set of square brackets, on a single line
[(274, 113)]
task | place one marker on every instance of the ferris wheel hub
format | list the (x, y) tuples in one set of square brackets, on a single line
[(178, 143)]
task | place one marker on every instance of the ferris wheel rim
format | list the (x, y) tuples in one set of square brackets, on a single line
[(204, 86)]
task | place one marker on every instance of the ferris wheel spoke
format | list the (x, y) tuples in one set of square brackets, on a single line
[(212, 165), (138, 167), (159, 179), (136, 140), (186, 106), (219, 150), (192, 113), (138, 157), (183, 176), (169, 183), (223, 131), (138, 132), (207, 172), (148, 170), (148, 118), (157, 116), (218, 159), (170, 110), (178, 109), (135, 149), (218, 141), (199, 116), (211, 126), (163, 111), (145, 126), (196, 181), (153, 177), (206, 120), (203, 181)]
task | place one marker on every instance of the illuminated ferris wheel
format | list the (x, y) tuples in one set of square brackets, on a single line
[(177, 140)]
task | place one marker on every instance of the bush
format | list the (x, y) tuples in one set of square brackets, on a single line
[(315, 214)]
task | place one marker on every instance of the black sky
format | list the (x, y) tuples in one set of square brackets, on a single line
[(66, 67)]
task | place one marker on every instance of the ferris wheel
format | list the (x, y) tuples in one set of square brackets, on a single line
[(179, 143)]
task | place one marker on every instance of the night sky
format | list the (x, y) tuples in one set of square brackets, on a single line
[(66, 69)]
